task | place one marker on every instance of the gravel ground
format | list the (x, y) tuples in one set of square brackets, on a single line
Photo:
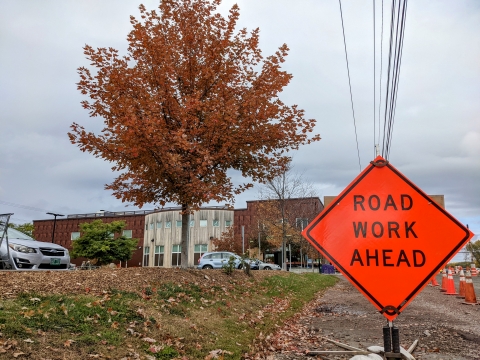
[(446, 329)]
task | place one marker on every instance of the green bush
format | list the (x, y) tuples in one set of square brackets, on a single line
[(229, 266)]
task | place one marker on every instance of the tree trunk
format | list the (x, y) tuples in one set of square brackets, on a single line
[(185, 242)]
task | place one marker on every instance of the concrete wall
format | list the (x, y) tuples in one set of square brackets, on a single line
[(199, 235)]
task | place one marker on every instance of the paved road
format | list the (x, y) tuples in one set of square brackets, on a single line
[(446, 329), (456, 279)]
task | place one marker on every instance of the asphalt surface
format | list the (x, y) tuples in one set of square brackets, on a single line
[(456, 280), (445, 328)]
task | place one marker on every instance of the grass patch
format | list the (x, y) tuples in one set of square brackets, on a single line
[(262, 309), (85, 315), (165, 321)]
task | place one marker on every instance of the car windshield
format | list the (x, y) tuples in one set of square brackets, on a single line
[(15, 234)]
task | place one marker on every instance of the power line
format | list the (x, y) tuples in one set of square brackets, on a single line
[(388, 78), (380, 78), (350, 85), (18, 219), (26, 207), (394, 82), (397, 33), (398, 63)]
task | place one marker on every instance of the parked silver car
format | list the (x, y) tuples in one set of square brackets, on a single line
[(267, 266), (27, 253)]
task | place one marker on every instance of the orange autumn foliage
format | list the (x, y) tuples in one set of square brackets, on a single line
[(229, 241), (192, 99)]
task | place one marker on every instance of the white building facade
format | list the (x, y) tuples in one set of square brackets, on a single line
[(163, 231)]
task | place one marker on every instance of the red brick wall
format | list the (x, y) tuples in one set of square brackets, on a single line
[(297, 208), (64, 228)]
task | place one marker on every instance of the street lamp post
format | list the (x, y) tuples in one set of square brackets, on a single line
[(259, 245), (290, 251), (288, 237), (54, 224), (243, 240)]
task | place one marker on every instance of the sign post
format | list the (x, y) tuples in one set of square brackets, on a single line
[(386, 236)]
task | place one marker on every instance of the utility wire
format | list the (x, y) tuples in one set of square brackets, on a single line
[(393, 41), (18, 219), (397, 33), (22, 206), (350, 85), (388, 78), (394, 81), (397, 73), (380, 78)]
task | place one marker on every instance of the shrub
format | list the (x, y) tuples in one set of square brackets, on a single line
[(229, 266)]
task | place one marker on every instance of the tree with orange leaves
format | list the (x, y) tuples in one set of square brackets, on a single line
[(191, 100), (228, 241)]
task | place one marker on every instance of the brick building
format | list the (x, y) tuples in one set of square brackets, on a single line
[(297, 208), (298, 212), (67, 229), (163, 227)]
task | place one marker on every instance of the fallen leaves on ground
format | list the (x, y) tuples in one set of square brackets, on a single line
[(68, 342), (93, 281), (294, 336), (217, 354)]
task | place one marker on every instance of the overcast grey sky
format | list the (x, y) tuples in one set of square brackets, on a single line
[(436, 137)]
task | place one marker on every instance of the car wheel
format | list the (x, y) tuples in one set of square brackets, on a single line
[(5, 266), (208, 267), (267, 268), (240, 266)]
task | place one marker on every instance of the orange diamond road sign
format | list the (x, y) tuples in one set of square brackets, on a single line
[(386, 236)]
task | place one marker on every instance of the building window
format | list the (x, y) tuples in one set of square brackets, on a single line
[(228, 223), (301, 223), (168, 224), (75, 235), (203, 223), (179, 223), (216, 223), (146, 226), (159, 224), (151, 226), (127, 234), (111, 235), (192, 223), (159, 252), (146, 253), (176, 255), (199, 250)]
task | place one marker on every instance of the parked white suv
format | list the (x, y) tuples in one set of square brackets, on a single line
[(29, 254), (216, 259)]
